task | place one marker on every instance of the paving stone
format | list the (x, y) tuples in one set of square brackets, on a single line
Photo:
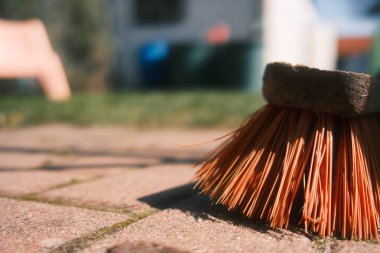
[(32, 147), (351, 247), (135, 190), (27, 182), (17, 161), (143, 247), (36, 227), (18, 180), (23, 161), (104, 138), (195, 226)]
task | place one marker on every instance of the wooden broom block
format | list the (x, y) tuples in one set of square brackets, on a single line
[(339, 92)]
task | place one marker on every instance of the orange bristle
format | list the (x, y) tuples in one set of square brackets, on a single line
[(287, 165)]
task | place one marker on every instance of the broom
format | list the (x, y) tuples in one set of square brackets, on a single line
[(310, 156)]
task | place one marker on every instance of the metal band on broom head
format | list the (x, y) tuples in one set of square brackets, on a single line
[(310, 157)]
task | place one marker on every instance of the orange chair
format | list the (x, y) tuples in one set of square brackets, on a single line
[(25, 51)]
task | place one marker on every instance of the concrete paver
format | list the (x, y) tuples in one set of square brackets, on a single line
[(17, 161), (29, 182), (337, 246), (192, 225), (144, 247), (104, 138), (36, 227), (128, 190), (12, 161)]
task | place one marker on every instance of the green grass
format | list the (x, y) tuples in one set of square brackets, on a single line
[(134, 109)]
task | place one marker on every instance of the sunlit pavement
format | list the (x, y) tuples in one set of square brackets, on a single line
[(92, 189)]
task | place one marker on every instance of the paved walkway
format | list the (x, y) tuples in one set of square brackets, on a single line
[(66, 189)]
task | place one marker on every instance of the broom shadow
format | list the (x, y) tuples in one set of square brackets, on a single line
[(189, 200)]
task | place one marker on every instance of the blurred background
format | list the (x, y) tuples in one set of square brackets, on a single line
[(182, 62)]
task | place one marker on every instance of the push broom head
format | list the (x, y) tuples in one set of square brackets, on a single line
[(309, 157)]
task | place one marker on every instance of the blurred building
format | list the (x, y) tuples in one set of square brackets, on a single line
[(164, 44), (172, 23)]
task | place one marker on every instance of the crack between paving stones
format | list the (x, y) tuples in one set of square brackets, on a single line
[(85, 241), (72, 182), (322, 245), (35, 197)]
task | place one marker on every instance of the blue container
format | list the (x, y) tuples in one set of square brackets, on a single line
[(152, 58)]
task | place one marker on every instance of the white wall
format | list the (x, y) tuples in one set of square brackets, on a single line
[(292, 33)]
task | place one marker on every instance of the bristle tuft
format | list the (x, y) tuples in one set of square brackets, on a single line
[(284, 165)]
